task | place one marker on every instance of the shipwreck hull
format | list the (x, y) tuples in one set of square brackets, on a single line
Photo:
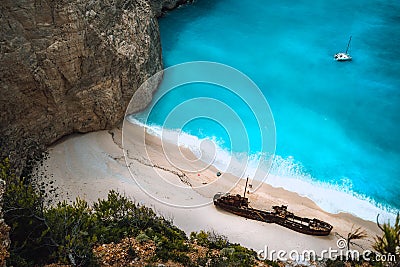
[(304, 229), (247, 213), (239, 206)]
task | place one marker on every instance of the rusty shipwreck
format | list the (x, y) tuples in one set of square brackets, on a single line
[(239, 205)]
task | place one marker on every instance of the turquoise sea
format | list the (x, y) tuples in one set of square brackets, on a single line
[(337, 124)]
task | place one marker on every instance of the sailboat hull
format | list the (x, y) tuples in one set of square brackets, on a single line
[(342, 57)]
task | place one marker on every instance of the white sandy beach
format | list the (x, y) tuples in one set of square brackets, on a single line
[(89, 165)]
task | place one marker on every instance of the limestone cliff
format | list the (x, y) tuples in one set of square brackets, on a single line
[(159, 7), (71, 66)]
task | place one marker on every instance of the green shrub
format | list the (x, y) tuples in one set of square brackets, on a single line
[(66, 233), (71, 229), (142, 238), (23, 211), (230, 254), (389, 242), (201, 238), (116, 218), (210, 240), (227, 252)]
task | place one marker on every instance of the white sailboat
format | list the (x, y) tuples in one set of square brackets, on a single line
[(343, 56)]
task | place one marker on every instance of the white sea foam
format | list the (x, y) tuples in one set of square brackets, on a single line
[(332, 198), (285, 173)]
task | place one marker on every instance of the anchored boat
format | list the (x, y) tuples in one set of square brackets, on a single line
[(343, 56), (239, 205)]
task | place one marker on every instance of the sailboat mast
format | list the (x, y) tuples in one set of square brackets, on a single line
[(245, 188), (348, 45)]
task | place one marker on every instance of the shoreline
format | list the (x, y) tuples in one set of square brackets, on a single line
[(90, 165), (331, 198)]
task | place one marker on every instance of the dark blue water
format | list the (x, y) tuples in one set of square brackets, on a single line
[(337, 123)]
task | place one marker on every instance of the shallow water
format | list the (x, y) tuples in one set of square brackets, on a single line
[(337, 123)]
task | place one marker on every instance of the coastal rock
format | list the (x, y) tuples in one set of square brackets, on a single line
[(159, 7), (71, 66)]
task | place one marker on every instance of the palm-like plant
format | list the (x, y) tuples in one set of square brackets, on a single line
[(389, 242), (355, 234)]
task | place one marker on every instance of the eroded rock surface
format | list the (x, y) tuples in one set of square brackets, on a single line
[(71, 66)]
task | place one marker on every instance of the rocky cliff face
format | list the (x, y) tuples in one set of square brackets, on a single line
[(71, 66), (161, 6)]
